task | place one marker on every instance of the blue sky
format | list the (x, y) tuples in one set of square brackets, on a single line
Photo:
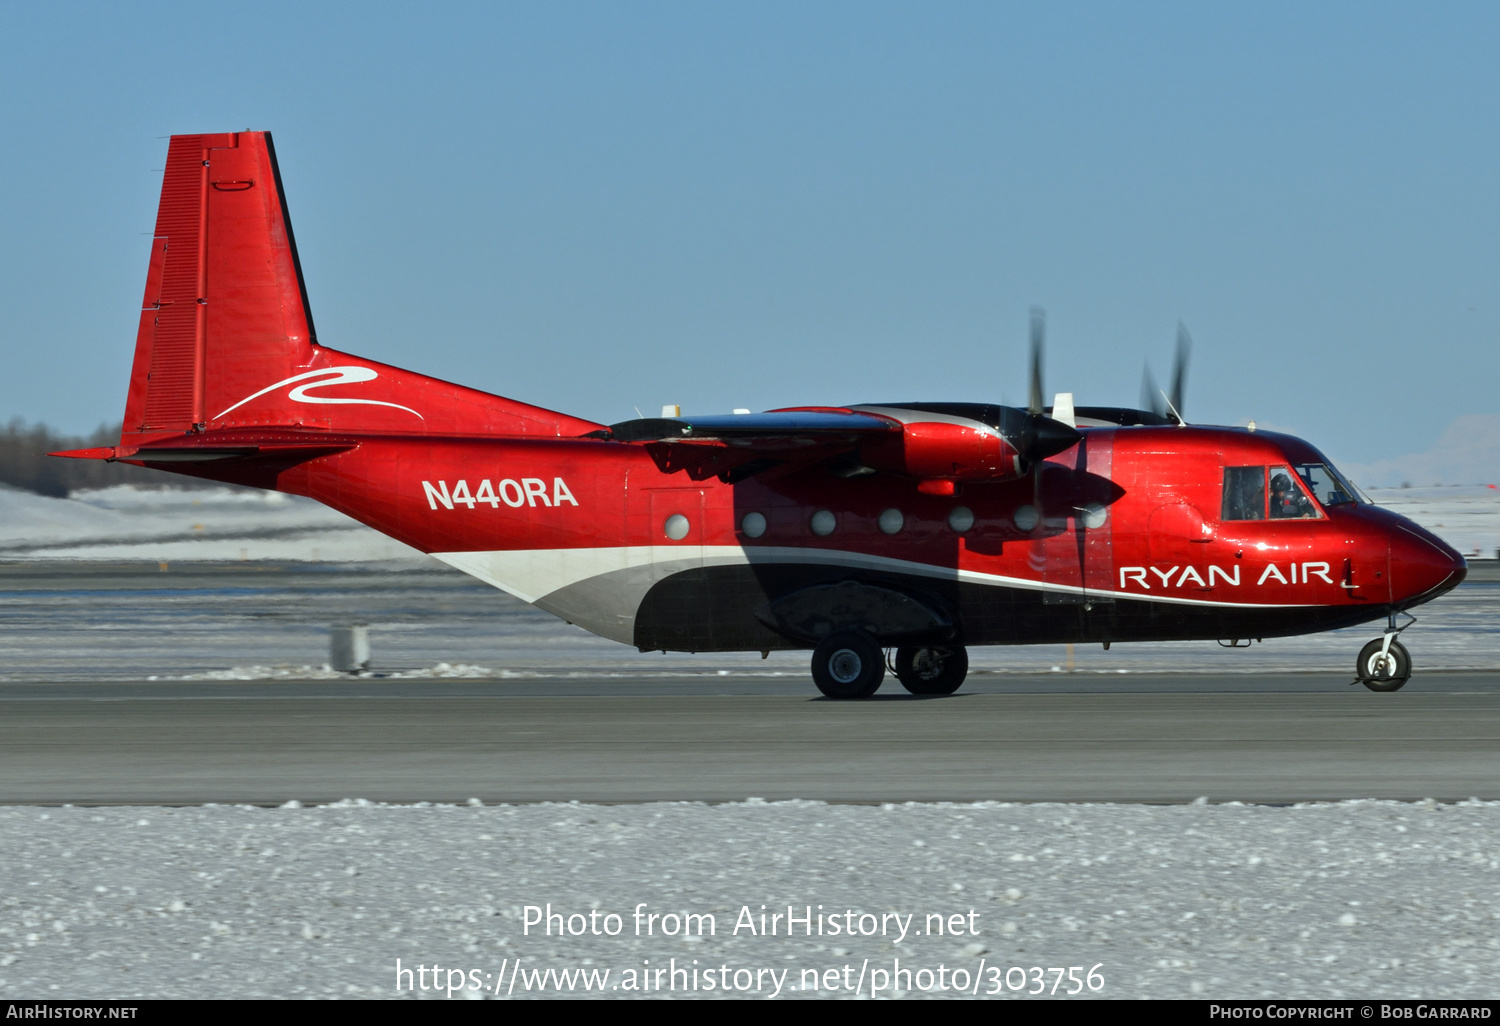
[(597, 207)]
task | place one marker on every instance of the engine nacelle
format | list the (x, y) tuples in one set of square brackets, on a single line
[(947, 451), (943, 444)]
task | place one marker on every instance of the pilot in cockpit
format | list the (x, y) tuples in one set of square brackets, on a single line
[(1287, 500)]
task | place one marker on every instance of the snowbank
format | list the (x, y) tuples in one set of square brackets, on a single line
[(1364, 899)]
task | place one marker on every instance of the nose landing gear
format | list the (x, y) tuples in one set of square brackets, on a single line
[(1384, 664)]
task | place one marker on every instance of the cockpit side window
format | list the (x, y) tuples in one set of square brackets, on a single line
[(1325, 483), (1244, 493), (1289, 499)]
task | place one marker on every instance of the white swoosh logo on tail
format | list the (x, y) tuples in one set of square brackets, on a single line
[(343, 376)]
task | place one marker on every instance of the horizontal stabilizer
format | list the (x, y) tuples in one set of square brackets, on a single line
[(105, 453), (281, 451)]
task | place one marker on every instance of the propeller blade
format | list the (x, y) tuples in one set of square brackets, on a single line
[(1042, 436), (1179, 368), (1038, 339), (1151, 396)]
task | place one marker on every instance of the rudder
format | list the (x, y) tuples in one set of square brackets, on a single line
[(225, 305)]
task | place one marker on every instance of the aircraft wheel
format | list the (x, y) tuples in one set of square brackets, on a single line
[(848, 664), (925, 670), (1386, 674)]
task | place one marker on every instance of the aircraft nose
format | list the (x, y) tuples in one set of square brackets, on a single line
[(1423, 566)]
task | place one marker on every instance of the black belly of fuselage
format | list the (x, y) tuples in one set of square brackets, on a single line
[(714, 609)]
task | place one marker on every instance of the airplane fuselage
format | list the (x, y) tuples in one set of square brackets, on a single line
[(1121, 539)]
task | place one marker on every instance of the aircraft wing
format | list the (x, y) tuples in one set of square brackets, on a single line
[(721, 445), (776, 429)]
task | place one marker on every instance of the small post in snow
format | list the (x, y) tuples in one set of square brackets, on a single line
[(349, 647)]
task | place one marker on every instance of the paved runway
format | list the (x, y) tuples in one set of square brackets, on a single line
[(1082, 737), (120, 622)]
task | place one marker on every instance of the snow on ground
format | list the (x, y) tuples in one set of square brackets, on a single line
[(167, 524), (1359, 899), (1465, 516)]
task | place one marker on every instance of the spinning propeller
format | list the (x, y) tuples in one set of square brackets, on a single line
[(1042, 436), (1165, 404)]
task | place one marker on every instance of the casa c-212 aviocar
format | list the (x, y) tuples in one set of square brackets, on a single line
[(914, 528)]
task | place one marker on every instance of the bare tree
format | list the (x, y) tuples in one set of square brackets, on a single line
[(24, 462)]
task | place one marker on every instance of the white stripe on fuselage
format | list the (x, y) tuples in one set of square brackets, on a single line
[(532, 574)]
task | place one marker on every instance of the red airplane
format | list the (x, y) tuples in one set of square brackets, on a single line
[(849, 530)]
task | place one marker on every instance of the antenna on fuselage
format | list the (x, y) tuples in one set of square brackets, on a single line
[(1172, 409)]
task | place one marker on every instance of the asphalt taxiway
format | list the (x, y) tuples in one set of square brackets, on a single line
[(1168, 737), (552, 714)]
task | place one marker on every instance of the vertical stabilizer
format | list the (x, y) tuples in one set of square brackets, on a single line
[(224, 305), (226, 341)]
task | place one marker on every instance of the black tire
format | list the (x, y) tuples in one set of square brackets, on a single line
[(848, 664), (1395, 672), (932, 670)]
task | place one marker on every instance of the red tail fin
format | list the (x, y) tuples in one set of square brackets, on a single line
[(226, 340), (223, 284)]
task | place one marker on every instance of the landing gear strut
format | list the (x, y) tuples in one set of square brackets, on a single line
[(1384, 664), (931, 670)]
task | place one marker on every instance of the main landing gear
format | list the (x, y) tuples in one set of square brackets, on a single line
[(1384, 664), (850, 664), (931, 670)]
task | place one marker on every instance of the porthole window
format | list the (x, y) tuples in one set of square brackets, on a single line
[(1026, 518), (960, 519), (891, 521), (754, 525), (677, 527), (1094, 516), (823, 523)]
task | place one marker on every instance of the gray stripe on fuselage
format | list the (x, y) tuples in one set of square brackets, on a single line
[(606, 603)]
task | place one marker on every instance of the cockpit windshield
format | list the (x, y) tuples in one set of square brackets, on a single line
[(1281, 492), (1326, 483)]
